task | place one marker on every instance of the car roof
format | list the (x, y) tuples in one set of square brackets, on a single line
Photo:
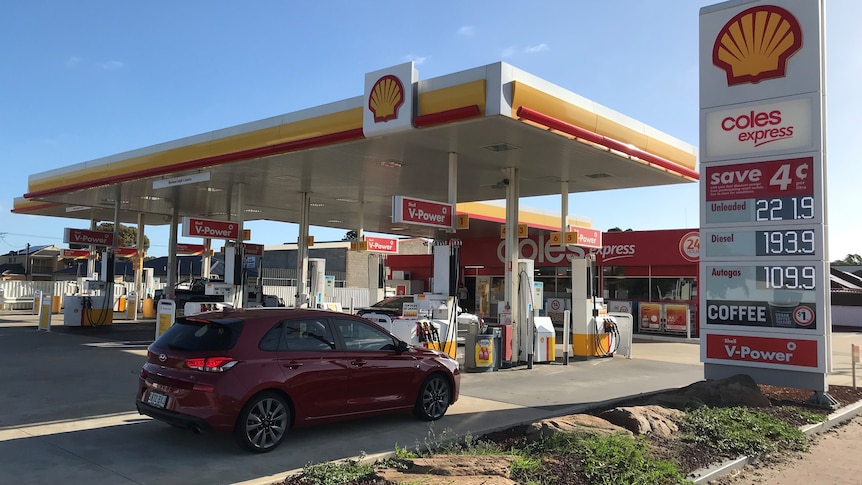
[(277, 312)]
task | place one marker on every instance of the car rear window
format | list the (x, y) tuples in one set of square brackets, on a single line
[(191, 334)]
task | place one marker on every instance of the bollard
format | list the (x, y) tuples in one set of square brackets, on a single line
[(37, 302), (854, 352), (132, 306), (45, 313)]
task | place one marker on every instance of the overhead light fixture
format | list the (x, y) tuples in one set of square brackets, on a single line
[(500, 147), (254, 211), (391, 163), (345, 199), (317, 204), (599, 175), (150, 197), (211, 189), (397, 228), (335, 221), (218, 214)]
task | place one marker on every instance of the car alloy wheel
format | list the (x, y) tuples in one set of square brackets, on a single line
[(433, 400), (263, 423)]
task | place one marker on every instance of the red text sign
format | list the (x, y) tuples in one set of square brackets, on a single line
[(83, 236), (76, 253), (253, 249), (762, 350), (421, 212), (126, 252), (190, 248), (778, 178), (210, 229), (382, 244), (587, 236)]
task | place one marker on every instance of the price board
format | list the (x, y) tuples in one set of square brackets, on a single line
[(768, 192)]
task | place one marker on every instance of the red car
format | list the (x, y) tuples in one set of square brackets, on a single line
[(258, 372)]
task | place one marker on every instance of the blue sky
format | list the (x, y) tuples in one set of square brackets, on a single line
[(83, 80)]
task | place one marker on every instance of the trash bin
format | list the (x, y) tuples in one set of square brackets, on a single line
[(479, 352), (56, 302), (149, 308)]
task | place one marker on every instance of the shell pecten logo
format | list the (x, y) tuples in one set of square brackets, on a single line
[(756, 44), (387, 95)]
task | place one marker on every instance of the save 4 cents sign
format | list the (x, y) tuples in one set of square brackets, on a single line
[(407, 210)]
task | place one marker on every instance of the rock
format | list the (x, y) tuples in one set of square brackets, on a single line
[(463, 465), (738, 390), (676, 401), (573, 423), (655, 420)]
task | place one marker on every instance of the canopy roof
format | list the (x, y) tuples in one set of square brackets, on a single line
[(493, 117)]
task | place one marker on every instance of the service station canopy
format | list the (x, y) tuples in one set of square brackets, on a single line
[(353, 156)]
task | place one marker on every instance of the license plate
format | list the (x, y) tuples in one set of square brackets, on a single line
[(157, 400)]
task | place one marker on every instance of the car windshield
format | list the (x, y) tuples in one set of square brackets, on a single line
[(395, 302), (195, 334)]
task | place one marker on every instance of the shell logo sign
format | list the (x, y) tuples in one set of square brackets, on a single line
[(387, 95), (756, 44)]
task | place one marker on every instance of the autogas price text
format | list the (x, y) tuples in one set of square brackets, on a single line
[(785, 208), (786, 277), (787, 242)]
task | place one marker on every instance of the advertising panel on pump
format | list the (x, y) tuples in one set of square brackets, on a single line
[(764, 267)]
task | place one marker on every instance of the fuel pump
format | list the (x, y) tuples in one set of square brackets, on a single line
[(527, 329), (317, 273), (233, 274), (594, 332)]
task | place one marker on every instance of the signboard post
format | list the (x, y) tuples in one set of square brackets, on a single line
[(764, 267)]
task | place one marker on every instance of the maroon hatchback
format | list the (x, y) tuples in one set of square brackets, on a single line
[(258, 372)]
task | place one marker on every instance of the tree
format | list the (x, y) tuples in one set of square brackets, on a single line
[(850, 260), (617, 229), (350, 236), (128, 235)]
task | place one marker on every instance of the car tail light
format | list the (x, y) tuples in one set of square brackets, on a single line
[(203, 388), (211, 364), (144, 373)]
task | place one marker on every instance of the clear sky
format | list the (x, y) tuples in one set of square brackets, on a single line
[(83, 80)]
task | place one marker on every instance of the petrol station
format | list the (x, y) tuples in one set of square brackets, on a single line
[(407, 158)]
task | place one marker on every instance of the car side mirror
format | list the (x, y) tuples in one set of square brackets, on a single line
[(402, 347)]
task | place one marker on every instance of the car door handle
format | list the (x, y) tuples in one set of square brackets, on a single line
[(357, 363), (293, 365)]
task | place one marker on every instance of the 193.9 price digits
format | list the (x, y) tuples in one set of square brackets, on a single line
[(786, 242)]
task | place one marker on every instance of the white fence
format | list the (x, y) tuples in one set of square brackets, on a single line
[(18, 295), (348, 297)]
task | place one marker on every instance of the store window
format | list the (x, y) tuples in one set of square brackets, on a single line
[(626, 288), (683, 289)]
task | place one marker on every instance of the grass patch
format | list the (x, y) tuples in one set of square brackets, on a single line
[(612, 459), (333, 473), (739, 431)]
